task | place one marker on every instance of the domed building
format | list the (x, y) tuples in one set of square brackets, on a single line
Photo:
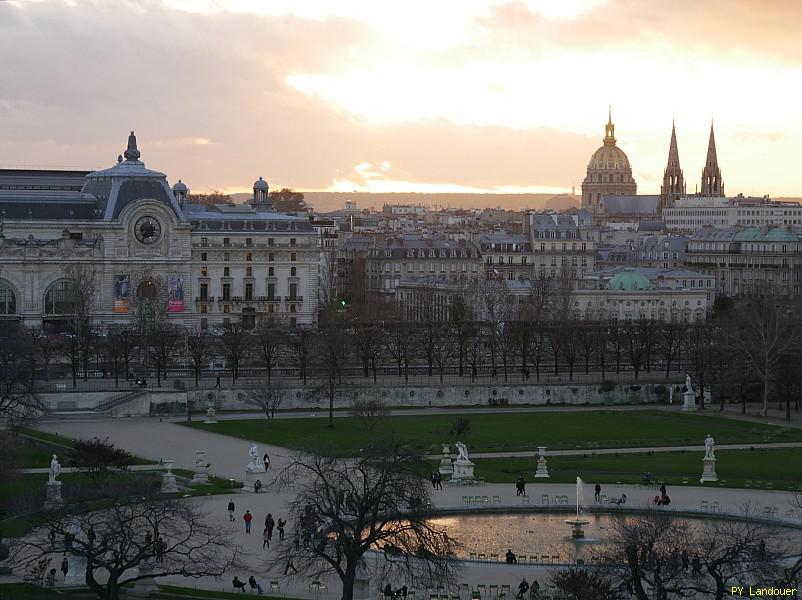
[(609, 173)]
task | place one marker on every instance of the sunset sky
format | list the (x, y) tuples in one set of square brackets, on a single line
[(412, 95)]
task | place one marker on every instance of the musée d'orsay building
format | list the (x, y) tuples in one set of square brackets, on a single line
[(213, 265)]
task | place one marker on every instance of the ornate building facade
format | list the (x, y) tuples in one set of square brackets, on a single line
[(608, 173), (140, 240)]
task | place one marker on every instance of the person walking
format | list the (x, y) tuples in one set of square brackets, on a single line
[(265, 539), (217, 385), (231, 509), (247, 517), (280, 526), (438, 480), (663, 489), (523, 486), (523, 587), (290, 566), (65, 567), (597, 496), (266, 460), (269, 525)]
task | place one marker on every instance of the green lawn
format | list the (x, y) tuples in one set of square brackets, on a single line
[(778, 468), (23, 591), (506, 432)]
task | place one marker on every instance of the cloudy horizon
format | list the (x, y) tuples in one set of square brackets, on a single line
[(458, 95)]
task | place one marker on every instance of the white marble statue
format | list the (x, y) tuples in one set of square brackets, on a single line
[(710, 447), (688, 385), (55, 469), (462, 449), (256, 465)]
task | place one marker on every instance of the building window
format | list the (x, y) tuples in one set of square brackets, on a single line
[(293, 291), (226, 291), (226, 256), (248, 271), (248, 241), (292, 308), (204, 308), (204, 291), (292, 256), (271, 271), (204, 241), (270, 241), (226, 241), (204, 271), (270, 257), (226, 271), (293, 271), (204, 323), (271, 291), (292, 241), (249, 291), (226, 309), (203, 256), (248, 256), (58, 299), (8, 302)]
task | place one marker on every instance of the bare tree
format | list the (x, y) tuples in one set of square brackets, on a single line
[(268, 398), (118, 347), (269, 344), (368, 340), (235, 343), (670, 342), (768, 327), (400, 345), (80, 292), (162, 340), (299, 343), (345, 507), (370, 411), (18, 400), (330, 359), (582, 583), (130, 541), (328, 280), (199, 347), (46, 345)]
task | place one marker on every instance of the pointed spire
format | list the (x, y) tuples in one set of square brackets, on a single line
[(609, 129), (673, 151), (673, 180), (712, 184), (712, 160), (132, 153)]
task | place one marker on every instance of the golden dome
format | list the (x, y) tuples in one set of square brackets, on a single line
[(609, 158)]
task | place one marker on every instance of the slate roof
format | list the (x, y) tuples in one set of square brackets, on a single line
[(642, 204)]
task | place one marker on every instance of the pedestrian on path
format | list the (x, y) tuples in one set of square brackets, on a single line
[(65, 566), (523, 587), (247, 517), (269, 524), (231, 509), (598, 492), (290, 566), (280, 526), (266, 460), (265, 539), (217, 385)]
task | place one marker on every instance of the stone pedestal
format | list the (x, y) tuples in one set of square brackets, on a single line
[(169, 485), (446, 469), (53, 500), (689, 401), (542, 470), (463, 470), (76, 575), (709, 470), (211, 415), (251, 477), (201, 474)]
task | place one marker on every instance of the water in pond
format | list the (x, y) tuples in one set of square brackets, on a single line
[(535, 535)]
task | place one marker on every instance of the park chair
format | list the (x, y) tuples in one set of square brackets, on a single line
[(482, 556), (465, 500), (493, 589), (544, 558), (544, 499), (441, 589), (496, 499), (275, 587), (485, 500), (442, 596), (705, 505), (464, 591), (471, 556), (524, 499), (715, 506), (603, 499), (555, 500), (563, 499), (555, 558), (494, 558), (521, 558), (411, 594), (476, 595), (482, 588), (454, 596), (505, 588)]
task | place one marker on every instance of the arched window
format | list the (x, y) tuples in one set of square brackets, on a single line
[(8, 302), (58, 298)]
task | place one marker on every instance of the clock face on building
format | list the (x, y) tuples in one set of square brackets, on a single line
[(147, 230)]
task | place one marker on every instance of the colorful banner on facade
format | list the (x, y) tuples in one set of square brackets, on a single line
[(122, 293), (175, 289)]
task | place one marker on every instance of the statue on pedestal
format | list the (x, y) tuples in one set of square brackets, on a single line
[(55, 470), (256, 465), (688, 386), (53, 499), (462, 451), (710, 447)]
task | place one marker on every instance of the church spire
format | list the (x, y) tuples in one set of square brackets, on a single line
[(673, 180), (711, 174), (609, 129)]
